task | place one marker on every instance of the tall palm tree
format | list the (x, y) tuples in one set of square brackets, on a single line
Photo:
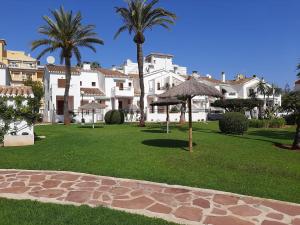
[(262, 89), (65, 33), (139, 16)]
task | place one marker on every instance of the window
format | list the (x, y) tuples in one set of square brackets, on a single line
[(61, 83), (129, 84), (158, 86), (129, 101), (93, 84), (80, 83)]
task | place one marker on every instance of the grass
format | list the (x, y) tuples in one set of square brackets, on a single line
[(250, 164), (14, 212)]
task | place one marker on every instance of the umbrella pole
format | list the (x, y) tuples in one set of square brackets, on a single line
[(93, 119), (167, 119), (190, 124)]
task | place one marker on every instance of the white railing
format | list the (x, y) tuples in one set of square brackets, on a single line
[(122, 91)]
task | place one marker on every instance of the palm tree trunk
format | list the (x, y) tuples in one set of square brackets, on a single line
[(296, 144), (140, 61), (67, 88)]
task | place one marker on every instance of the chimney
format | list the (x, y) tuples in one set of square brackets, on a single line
[(208, 76), (113, 67), (86, 66), (223, 77), (195, 73)]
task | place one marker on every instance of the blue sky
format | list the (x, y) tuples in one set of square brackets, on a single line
[(236, 36)]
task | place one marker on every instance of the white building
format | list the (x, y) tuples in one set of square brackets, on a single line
[(4, 76)]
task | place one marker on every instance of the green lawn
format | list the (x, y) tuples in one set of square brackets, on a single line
[(14, 212), (249, 164)]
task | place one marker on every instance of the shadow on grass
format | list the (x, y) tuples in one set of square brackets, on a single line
[(274, 134), (90, 126), (154, 131), (167, 143)]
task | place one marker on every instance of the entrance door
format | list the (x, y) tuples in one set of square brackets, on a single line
[(121, 86), (120, 105)]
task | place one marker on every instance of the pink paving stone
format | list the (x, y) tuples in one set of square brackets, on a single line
[(129, 184), (106, 198), (121, 197), (270, 222), (50, 183), (108, 182), (67, 184), (65, 177), (164, 198), (14, 190), (98, 203), (291, 210), (11, 179), (189, 213), (159, 208), (244, 210), (36, 189), (136, 193), (202, 194), (103, 188), (87, 184), (4, 184), (28, 173), (18, 184), (119, 190), (176, 190), (296, 221), (78, 196), (225, 199), (37, 178), (97, 194), (7, 172), (225, 220), (218, 211), (89, 178), (183, 197), (203, 203), (275, 216), (249, 200), (151, 187), (48, 193), (137, 203)]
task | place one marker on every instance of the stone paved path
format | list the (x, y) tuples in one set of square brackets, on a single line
[(173, 203)]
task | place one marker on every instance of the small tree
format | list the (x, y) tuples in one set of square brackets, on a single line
[(38, 92), (291, 103)]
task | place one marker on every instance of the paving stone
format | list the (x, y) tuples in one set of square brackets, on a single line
[(89, 178), (296, 221), (175, 190), (18, 184), (160, 208), (108, 182), (164, 198), (106, 198), (97, 203), (4, 184), (226, 220), (129, 184), (218, 211), (225, 199), (244, 210), (203, 203), (275, 216), (48, 193), (97, 194), (188, 213), (65, 177), (183, 197), (270, 222), (202, 194), (249, 200), (136, 193), (78, 196), (119, 190), (66, 184), (51, 183), (14, 190), (87, 184), (137, 203), (151, 187), (37, 178), (121, 197), (291, 210)]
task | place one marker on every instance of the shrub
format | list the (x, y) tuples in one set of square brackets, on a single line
[(233, 123), (277, 123), (174, 109), (2, 133), (259, 123), (114, 117), (290, 119)]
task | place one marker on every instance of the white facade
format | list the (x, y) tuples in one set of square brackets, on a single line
[(4, 76)]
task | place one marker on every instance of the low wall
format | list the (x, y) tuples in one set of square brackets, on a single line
[(18, 140), (175, 117)]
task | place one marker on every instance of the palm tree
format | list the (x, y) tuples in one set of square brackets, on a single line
[(262, 89), (65, 33), (139, 16)]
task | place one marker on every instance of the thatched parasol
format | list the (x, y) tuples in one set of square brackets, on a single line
[(187, 90), (166, 102), (92, 106)]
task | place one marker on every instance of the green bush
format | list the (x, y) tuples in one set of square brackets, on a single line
[(114, 117), (233, 123), (2, 133), (259, 123), (277, 123), (290, 119)]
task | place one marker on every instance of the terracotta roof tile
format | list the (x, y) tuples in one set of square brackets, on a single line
[(92, 91), (61, 69), (8, 91), (233, 82), (111, 73), (297, 82)]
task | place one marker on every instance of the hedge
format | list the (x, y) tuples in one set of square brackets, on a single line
[(233, 123), (114, 117)]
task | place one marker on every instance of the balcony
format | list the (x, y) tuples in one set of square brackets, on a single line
[(122, 92)]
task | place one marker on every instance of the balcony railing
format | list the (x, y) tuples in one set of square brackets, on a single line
[(122, 91)]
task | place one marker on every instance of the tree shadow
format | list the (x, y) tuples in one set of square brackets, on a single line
[(273, 134), (168, 143), (154, 131), (90, 126)]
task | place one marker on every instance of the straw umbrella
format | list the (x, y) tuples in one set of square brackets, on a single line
[(189, 89), (92, 106), (166, 102)]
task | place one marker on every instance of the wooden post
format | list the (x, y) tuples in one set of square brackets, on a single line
[(93, 118), (167, 107), (190, 124)]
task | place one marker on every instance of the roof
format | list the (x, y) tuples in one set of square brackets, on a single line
[(13, 91), (19, 55), (61, 69), (92, 91), (233, 82), (111, 73), (297, 82), (159, 54)]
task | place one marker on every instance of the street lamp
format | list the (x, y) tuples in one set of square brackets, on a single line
[(82, 93)]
